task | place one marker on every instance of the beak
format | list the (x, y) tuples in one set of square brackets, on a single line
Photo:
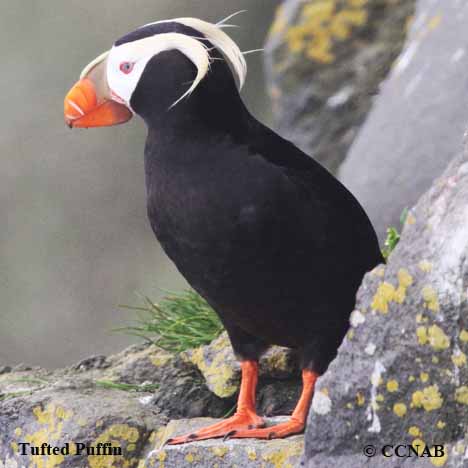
[(89, 103), (83, 108)]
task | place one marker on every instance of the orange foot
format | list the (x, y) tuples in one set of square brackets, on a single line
[(241, 422), (293, 426)]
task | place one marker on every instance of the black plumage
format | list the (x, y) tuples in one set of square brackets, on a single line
[(269, 237), (263, 232)]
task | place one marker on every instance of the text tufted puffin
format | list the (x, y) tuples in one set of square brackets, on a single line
[(274, 243)]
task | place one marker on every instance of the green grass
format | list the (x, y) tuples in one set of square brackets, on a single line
[(180, 321), (393, 236), (126, 387)]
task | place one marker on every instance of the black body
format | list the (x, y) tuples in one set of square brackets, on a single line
[(265, 234)]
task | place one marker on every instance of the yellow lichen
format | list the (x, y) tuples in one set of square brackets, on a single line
[(190, 457), (378, 271), (411, 378), (392, 386), (429, 398), (431, 300), (399, 409), (282, 458), (360, 399), (251, 454), (379, 397), (461, 395), (218, 374), (117, 435), (424, 376), (384, 295), (160, 359), (414, 431), (464, 336), (438, 461), (220, 451), (425, 266), (441, 424), (279, 23), (18, 432), (418, 445), (459, 358), (434, 336), (320, 25), (421, 333), (50, 420), (435, 359)]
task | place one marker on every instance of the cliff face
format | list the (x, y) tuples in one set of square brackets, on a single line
[(325, 61), (415, 126), (401, 375)]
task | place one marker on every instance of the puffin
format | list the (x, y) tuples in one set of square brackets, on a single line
[(275, 243)]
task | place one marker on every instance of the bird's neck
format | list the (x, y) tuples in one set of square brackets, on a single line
[(200, 116)]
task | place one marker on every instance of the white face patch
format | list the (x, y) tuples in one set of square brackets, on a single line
[(126, 63), (137, 54)]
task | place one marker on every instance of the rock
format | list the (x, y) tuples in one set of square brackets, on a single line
[(414, 128), (219, 454), (325, 61), (279, 382), (85, 404), (401, 374), (75, 413), (221, 369)]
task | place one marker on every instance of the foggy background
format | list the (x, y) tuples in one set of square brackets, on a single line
[(74, 238)]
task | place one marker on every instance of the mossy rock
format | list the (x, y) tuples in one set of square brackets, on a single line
[(325, 60)]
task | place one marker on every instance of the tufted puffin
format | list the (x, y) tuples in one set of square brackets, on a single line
[(274, 243)]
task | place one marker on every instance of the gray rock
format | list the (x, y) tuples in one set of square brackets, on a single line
[(414, 128), (324, 62), (401, 374), (216, 453), (279, 383)]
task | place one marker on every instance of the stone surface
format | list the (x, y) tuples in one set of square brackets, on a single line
[(324, 61), (279, 375), (221, 369), (84, 404), (401, 375), (129, 398), (414, 128), (219, 454)]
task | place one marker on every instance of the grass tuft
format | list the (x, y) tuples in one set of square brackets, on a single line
[(180, 321), (126, 387), (393, 236)]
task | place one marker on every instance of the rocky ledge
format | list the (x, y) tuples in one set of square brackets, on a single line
[(129, 400)]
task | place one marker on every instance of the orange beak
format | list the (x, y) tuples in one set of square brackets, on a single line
[(83, 108)]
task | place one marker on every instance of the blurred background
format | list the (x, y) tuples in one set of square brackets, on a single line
[(376, 91), (74, 238)]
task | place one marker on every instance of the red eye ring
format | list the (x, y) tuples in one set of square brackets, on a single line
[(126, 67)]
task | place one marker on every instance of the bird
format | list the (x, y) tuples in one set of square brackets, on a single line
[(273, 241)]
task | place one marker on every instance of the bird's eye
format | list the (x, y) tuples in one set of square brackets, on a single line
[(126, 67)]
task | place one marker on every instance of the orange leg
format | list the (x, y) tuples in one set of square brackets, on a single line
[(298, 419), (245, 417)]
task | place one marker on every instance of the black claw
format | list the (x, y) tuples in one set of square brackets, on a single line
[(192, 436), (250, 426), (168, 441), (228, 435), (271, 435)]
